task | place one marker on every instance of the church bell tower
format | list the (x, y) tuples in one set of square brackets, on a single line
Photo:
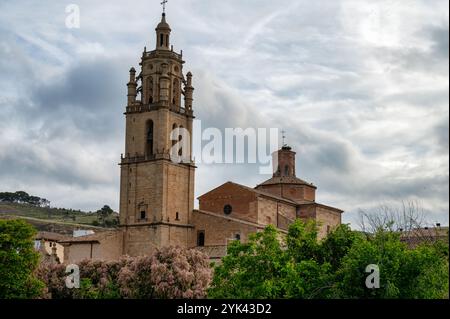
[(156, 188)]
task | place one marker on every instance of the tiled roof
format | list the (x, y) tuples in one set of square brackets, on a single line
[(301, 203), (286, 180), (50, 236), (88, 238)]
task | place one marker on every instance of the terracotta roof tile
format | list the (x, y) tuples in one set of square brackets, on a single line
[(286, 180), (89, 238)]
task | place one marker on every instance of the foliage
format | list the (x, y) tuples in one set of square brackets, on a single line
[(337, 244), (18, 259), (103, 216), (23, 197), (300, 266), (169, 273), (252, 270), (302, 241)]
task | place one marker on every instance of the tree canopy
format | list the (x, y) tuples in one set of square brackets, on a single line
[(297, 265), (22, 197), (18, 260)]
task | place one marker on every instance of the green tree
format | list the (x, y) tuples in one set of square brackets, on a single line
[(302, 241), (337, 244), (18, 260), (252, 270), (421, 272), (104, 213), (272, 265)]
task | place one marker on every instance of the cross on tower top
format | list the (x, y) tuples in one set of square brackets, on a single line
[(284, 137), (164, 5)]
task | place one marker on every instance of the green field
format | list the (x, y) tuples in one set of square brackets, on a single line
[(42, 217)]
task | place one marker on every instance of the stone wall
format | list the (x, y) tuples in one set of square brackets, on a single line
[(242, 201), (328, 219), (107, 247), (219, 230)]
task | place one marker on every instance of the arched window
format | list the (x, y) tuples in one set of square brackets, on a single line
[(237, 237), (149, 138), (161, 40), (167, 40), (286, 170), (201, 238)]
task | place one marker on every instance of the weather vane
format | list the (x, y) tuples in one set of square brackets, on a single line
[(164, 5), (284, 137)]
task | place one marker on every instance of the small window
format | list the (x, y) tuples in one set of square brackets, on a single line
[(201, 238), (143, 214), (237, 237), (227, 209), (177, 216), (286, 170), (161, 40)]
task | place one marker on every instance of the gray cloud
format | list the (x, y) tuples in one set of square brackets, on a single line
[(360, 87)]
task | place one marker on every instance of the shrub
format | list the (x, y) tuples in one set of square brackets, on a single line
[(169, 273)]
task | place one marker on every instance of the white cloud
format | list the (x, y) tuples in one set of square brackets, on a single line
[(360, 86)]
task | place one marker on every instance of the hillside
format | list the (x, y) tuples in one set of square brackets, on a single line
[(54, 219)]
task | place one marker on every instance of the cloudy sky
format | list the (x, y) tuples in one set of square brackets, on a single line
[(361, 87)]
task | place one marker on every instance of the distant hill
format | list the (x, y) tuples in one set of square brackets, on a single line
[(58, 220)]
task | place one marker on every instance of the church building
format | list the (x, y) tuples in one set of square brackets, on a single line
[(157, 193)]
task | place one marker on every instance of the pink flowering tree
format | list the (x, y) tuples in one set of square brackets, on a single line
[(171, 272)]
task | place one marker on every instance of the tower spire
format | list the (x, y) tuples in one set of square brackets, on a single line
[(163, 31)]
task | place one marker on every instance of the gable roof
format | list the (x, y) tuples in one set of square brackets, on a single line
[(253, 190)]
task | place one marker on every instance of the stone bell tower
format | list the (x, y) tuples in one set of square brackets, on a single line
[(157, 181)]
